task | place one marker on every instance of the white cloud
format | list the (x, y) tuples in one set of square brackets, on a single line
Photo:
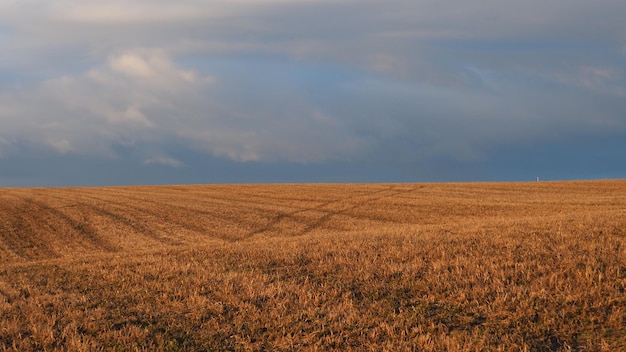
[(142, 96), (132, 115), (89, 112), (152, 65), (132, 65), (62, 146)]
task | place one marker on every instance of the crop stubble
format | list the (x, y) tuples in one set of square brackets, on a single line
[(484, 266)]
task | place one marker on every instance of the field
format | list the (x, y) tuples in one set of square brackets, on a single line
[(431, 267)]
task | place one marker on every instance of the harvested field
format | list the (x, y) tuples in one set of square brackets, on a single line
[(428, 267)]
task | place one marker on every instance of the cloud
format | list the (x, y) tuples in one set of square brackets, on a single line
[(291, 26), (61, 146), (608, 80), (132, 65), (141, 99), (308, 81), (89, 112), (163, 160)]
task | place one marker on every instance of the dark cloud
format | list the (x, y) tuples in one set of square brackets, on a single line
[(416, 88)]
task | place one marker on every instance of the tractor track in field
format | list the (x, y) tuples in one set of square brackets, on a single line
[(125, 207), (331, 213), (136, 226), (328, 216), (201, 198), (162, 204), (20, 229), (259, 207), (86, 210), (84, 229), (345, 211), (20, 242), (35, 224), (114, 206)]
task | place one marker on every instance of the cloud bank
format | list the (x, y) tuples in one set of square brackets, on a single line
[(308, 81)]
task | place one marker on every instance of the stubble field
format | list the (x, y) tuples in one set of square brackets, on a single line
[(427, 267)]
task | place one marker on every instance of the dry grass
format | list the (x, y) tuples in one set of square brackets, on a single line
[(430, 267)]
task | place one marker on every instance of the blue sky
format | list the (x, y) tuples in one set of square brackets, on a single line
[(191, 91)]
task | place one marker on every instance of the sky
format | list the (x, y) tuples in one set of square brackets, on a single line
[(125, 92)]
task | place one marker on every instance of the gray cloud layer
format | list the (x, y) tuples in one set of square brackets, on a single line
[(307, 81)]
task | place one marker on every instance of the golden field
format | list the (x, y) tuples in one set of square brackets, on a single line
[(383, 267)]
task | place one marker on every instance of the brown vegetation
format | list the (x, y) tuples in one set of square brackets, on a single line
[(432, 267)]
